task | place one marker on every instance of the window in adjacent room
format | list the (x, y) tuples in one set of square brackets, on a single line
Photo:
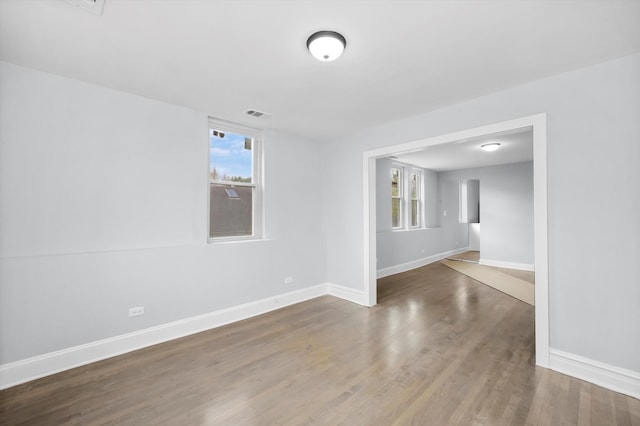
[(234, 182), (406, 197), (396, 198), (414, 189)]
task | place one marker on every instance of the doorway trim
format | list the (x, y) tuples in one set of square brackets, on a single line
[(538, 124)]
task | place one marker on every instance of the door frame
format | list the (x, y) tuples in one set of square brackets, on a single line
[(538, 124)]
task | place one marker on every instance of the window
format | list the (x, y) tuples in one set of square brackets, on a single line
[(234, 182), (406, 197), (415, 198), (396, 198)]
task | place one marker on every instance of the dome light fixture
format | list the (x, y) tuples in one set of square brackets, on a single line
[(490, 146), (326, 46)]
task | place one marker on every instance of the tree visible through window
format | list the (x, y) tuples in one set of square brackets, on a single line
[(233, 182)]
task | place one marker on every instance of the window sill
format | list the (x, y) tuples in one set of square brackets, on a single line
[(230, 240), (408, 229), (422, 228)]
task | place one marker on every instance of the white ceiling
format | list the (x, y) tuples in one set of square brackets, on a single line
[(402, 58), (515, 147)]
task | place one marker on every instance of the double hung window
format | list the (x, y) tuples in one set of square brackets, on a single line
[(234, 182), (414, 189), (406, 197), (396, 198)]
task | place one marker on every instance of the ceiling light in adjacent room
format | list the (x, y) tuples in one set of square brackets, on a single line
[(326, 45), (490, 146)]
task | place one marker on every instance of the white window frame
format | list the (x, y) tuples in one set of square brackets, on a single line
[(419, 198), (400, 196), (257, 177), (405, 197)]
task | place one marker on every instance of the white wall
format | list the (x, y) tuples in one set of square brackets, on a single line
[(103, 198), (506, 210), (592, 158)]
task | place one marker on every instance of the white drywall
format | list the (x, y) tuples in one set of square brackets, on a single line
[(506, 210), (103, 198), (592, 158)]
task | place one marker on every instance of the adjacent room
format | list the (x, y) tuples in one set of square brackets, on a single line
[(429, 206), (276, 212)]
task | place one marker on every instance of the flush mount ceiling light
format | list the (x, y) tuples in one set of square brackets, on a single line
[(490, 146), (326, 46)]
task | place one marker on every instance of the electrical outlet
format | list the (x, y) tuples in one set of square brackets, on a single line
[(288, 280), (134, 312)]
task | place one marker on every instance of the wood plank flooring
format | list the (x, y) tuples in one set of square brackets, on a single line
[(439, 349)]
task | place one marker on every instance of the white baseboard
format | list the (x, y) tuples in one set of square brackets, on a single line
[(607, 376), (509, 265), (44, 365), (404, 267), (610, 377), (347, 293)]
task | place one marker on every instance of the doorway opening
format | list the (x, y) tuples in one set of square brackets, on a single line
[(537, 125)]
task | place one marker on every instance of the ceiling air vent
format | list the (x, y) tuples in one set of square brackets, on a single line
[(257, 114), (92, 6)]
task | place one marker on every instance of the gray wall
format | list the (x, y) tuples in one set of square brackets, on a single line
[(403, 246), (432, 199), (592, 125), (398, 247), (104, 207), (383, 200), (506, 203)]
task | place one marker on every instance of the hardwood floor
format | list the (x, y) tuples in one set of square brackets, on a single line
[(439, 349)]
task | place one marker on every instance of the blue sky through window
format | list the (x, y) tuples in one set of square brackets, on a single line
[(228, 155)]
